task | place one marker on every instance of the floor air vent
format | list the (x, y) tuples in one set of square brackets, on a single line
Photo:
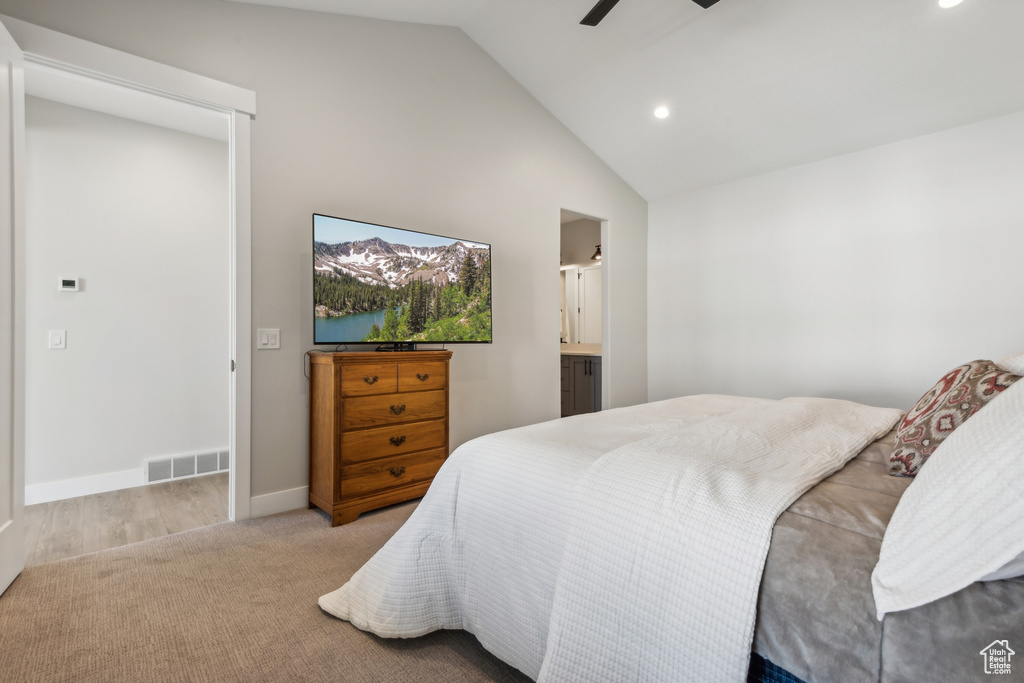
[(158, 470), (206, 463), (184, 466)]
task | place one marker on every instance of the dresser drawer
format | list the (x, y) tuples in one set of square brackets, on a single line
[(364, 379), (376, 475), (373, 411), (378, 442), (422, 376)]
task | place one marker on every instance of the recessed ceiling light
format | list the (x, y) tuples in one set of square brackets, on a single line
[(946, 4), (661, 112)]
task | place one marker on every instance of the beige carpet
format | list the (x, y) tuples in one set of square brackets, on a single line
[(230, 602)]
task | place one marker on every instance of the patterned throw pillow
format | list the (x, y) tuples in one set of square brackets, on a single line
[(957, 396)]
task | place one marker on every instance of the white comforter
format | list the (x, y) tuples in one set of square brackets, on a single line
[(624, 545)]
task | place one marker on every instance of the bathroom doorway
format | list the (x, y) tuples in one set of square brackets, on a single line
[(581, 339)]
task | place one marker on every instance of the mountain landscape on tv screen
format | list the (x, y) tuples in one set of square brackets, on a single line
[(376, 291)]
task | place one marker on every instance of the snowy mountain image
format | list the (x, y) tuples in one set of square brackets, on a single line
[(373, 289), (374, 261)]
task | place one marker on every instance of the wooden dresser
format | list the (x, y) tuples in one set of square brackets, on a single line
[(378, 428)]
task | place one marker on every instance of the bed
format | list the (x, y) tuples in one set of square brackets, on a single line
[(715, 538)]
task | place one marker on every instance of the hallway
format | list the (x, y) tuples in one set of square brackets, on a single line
[(76, 526)]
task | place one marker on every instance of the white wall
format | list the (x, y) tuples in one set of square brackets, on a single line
[(579, 241), (866, 276), (140, 214), (405, 125)]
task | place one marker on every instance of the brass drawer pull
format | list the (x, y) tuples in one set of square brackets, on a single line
[(371, 380), (396, 472), (398, 410), (398, 440), (424, 377)]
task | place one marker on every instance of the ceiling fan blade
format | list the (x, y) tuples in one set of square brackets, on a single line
[(602, 8)]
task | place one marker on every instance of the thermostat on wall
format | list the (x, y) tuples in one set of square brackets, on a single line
[(68, 284)]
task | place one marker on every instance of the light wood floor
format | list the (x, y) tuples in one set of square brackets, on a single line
[(76, 526)]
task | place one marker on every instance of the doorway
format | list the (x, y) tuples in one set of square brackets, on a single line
[(582, 313), (24, 45), (135, 215)]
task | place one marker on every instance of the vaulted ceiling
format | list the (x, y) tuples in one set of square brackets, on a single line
[(752, 85)]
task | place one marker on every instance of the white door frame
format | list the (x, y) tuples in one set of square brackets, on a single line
[(49, 48), (12, 347)]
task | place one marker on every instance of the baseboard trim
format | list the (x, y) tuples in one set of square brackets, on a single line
[(279, 501), (83, 486), (259, 506)]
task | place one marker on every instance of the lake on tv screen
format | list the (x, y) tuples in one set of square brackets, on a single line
[(351, 328)]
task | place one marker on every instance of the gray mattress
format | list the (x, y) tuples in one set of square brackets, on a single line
[(816, 615)]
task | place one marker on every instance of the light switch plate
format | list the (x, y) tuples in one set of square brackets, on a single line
[(268, 339), (58, 339)]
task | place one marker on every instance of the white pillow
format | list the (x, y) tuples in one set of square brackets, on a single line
[(1013, 363), (962, 519)]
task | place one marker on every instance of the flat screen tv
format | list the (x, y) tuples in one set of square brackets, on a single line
[(394, 287)]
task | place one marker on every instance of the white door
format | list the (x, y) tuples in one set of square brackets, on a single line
[(12, 476), (572, 315)]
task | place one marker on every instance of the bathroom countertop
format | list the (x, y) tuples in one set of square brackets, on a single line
[(581, 349)]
